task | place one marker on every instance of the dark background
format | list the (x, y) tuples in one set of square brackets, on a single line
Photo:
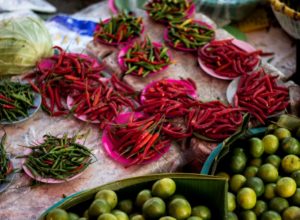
[(71, 6)]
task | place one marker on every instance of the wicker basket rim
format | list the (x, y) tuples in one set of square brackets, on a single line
[(279, 6)]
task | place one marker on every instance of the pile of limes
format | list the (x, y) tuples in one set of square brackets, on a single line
[(161, 202), (264, 177)]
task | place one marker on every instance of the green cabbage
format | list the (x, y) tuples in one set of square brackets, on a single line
[(23, 42)]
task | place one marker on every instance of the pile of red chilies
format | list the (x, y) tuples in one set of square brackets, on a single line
[(228, 60), (260, 95), (140, 139), (68, 74)]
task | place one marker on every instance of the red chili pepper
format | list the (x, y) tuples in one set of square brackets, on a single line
[(11, 106)]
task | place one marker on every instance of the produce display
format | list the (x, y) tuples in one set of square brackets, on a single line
[(294, 4), (169, 10), (227, 59), (118, 29), (6, 166), (58, 158), (263, 173), (16, 101), (161, 201), (144, 58), (188, 35), (260, 95)]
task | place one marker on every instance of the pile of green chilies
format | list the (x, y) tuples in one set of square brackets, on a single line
[(118, 29), (189, 34), (294, 4), (58, 158), (15, 100), (144, 58), (5, 165), (168, 10)]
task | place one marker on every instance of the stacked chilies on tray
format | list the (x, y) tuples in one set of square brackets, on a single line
[(118, 29), (261, 96)]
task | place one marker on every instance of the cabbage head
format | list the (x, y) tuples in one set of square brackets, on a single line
[(23, 42)]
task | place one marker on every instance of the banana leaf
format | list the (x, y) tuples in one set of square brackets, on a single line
[(203, 189)]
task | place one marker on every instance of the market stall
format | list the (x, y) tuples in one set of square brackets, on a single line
[(132, 95)]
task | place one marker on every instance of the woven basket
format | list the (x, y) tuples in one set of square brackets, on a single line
[(288, 18)]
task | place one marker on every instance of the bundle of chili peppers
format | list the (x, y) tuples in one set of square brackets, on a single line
[(227, 59), (58, 157), (260, 95), (215, 120), (15, 100), (143, 58), (102, 103), (140, 139), (171, 98), (190, 34), (120, 28), (5, 164), (169, 10)]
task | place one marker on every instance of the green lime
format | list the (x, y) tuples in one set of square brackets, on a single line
[(194, 218), (270, 215), (231, 216), (180, 208), (236, 182), (246, 198), (164, 188), (256, 147), (282, 133), (274, 160), (73, 216), (270, 143), (268, 173), (126, 205), (255, 162), (83, 218), (142, 197), (137, 217), (237, 162), (202, 212), (260, 207), (86, 214), (290, 163), (278, 204), (223, 174), (250, 171), (168, 218), (270, 191), (296, 197), (107, 216), (176, 196), (247, 215), (256, 184), (231, 204), (291, 213), (120, 214), (286, 187), (154, 207), (98, 207), (57, 214), (109, 196), (296, 176), (238, 151), (291, 145)]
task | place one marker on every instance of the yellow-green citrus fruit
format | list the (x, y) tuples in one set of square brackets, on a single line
[(120, 214), (296, 176), (291, 213), (273, 159), (201, 211), (278, 204), (268, 173), (137, 217), (270, 143), (250, 171), (109, 196), (231, 204), (154, 207), (291, 145), (126, 205), (231, 216), (282, 133), (256, 147), (164, 188), (255, 162), (260, 207), (286, 187), (296, 197), (167, 218), (256, 184), (270, 191), (142, 197), (246, 198), (270, 215), (57, 214), (73, 216), (107, 216), (236, 182), (247, 215), (194, 218), (290, 163), (98, 207), (238, 162), (180, 208), (223, 174)]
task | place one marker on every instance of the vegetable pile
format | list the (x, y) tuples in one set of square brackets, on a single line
[(24, 42), (118, 29), (227, 59), (5, 164), (169, 10), (188, 35), (143, 58), (58, 157), (15, 100), (260, 95)]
